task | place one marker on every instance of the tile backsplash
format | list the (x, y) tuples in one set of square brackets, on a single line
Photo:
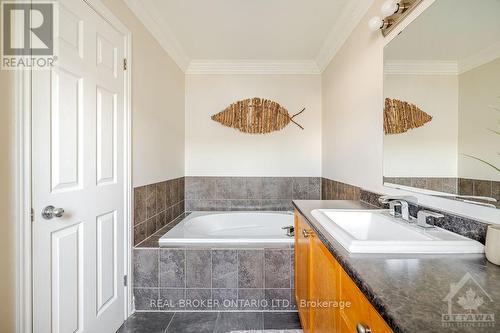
[(460, 186), (249, 193), (334, 190), (156, 205)]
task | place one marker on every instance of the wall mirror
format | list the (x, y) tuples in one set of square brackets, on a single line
[(442, 103)]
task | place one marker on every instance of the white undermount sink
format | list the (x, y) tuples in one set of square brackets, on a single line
[(375, 231)]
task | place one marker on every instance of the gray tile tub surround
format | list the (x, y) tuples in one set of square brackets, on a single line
[(249, 193), (248, 279), (156, 205)]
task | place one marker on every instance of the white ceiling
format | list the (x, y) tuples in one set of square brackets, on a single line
[(449, 30), (298, 33)]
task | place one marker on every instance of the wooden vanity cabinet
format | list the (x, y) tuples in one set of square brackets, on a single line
[(302, 271), (321, 283)]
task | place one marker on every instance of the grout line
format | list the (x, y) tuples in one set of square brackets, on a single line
[(171, 319), (237, 275), (216, 321), (185, 272)]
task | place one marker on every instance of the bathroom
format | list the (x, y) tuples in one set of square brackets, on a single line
[(246, 167)]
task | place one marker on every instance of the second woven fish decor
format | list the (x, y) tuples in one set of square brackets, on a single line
[(400, 116), (256, 116)]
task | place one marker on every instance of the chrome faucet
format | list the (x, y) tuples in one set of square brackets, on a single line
[(422, 216), (398, 201)]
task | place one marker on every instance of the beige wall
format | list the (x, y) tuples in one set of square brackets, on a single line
[(7, 285), (157, 105), (352, 108), (479, 96), (215, 150), (436, 141), (352, 95)]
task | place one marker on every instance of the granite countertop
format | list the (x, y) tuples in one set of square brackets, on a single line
[(409, 291)]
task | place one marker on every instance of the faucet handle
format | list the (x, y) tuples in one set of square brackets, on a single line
[(392, 208), (422, 216)]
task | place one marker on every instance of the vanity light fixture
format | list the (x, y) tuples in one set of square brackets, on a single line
[(391, 7), (376, 23), (393, 11)]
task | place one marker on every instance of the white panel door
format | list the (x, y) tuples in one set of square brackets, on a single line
[(78, 158)]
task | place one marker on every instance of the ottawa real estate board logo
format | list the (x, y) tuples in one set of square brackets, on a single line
[(468, 305), (27, 35)]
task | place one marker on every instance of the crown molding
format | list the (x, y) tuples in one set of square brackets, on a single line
[(304, 67), (161, 32), (351, 15), (420, 67), (480, 58)]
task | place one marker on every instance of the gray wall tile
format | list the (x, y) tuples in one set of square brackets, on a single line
[(279, 299), (145, 267), (482, 188), (140, 211), (240, 205), (172, 268), (140, 233), (198, 268), (151, 200), (224, 269), (277, 188), (199, 299), (161, 196), (277, 268), (250, 268), (238, 188), (227, 298), (223, 205), (254, 187), (300, 188), (146, 299), (251, 299), (171, 299), (314, 188), (223, 188)]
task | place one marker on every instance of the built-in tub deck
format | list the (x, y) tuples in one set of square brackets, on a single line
[(230, 229), (217, 261)]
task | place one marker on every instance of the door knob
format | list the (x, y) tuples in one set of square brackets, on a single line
[(50, 212)]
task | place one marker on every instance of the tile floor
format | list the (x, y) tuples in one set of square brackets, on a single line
[(208, 322)]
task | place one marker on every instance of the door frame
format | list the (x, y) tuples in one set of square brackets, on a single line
[(22, 187)]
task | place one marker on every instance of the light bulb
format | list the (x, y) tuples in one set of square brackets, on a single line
[(389, 7), (375, 23)]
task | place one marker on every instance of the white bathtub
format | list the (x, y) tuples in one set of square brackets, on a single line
[(230, 229)]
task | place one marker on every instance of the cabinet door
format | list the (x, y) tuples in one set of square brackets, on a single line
[(324, 289), (361, 311), (302, 272)]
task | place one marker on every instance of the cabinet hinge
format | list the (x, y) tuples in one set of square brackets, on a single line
[(32, 214), (125, 280), (125, 64)]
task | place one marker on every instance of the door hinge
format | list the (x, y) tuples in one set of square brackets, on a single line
[(125, 64), (32, 214), (125, 280)]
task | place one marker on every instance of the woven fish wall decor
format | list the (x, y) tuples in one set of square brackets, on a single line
[(256, 116), (400, 116)]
